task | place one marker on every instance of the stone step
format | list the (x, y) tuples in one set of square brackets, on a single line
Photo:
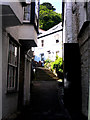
[(44, 74)]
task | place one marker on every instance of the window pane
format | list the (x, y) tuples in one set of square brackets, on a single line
[(8, 77), (57, 41), (14, 77), (13, 54), (36, 8), (42, 43), (11, 77), (12, 66), (27, 13)]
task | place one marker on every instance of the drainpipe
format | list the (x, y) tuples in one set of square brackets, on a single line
[(21, 78), (68, 25), (1, 63)]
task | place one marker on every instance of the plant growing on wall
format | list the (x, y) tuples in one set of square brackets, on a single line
[(56, 66)]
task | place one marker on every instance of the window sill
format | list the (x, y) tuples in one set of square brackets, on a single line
[(11, 91), (26, 22)]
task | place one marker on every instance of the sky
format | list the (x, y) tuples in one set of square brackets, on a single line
[(56, 3)]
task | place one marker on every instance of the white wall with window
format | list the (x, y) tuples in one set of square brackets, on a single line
[(11, 48), (27, 13), (10, 62), (49, 44), (12, 66)]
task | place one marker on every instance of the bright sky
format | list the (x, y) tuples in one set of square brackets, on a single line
[(56, 3)]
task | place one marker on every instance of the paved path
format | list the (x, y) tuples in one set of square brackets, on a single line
[(45, 103)]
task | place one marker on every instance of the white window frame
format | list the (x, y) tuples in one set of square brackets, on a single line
[(12, 73), (28, 14)]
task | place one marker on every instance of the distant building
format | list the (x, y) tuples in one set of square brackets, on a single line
[(19, 33), (49, 44)]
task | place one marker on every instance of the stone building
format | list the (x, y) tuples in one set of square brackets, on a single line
[(76, 38), (18, 29)]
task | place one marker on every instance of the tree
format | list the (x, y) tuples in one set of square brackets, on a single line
[(48, 17), (49, 6)]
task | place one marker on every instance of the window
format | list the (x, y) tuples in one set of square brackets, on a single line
[(57, 41), (12, 66), (57, 37), (42, 43), (42, 57), (49, 52), (27, 13), (36, 12), (36, 8), (57, 52)]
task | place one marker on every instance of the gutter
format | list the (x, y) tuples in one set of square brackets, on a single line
[(50, 33)]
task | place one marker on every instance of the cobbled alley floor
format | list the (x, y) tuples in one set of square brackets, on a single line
[(46, 99)]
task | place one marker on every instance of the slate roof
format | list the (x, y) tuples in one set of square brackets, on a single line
[(52, 30)]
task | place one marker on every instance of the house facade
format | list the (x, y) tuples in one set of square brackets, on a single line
[(76, 56), (49, 44), (19, 33)]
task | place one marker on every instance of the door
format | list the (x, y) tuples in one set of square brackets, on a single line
[(72, 81)]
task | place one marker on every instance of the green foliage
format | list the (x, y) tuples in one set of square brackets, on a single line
[(56, 66), (49, 6), (48, 17), (47, 63)]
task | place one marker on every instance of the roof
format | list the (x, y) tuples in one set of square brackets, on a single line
[(52, 30), (41, 31)]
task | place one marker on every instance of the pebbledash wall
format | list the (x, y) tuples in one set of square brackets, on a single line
[(76, 29)]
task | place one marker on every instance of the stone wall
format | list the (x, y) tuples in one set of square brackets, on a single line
[(84, 50), (77, 30)]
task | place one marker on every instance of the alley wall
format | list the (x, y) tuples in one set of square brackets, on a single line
[(76, 29)]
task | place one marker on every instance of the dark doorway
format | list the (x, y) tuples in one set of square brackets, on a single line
[(72, 81)]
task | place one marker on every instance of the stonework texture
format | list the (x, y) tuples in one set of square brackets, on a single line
[(77, 24)]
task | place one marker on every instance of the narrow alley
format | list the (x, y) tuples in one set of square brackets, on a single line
[(40, 34), (45, 103)]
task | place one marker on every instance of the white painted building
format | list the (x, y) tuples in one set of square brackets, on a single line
[(18, 33), (49, 44)]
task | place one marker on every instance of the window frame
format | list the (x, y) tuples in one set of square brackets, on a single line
[(29, 13), (36, 12), (57, 40), (14, 86), (42, 43)]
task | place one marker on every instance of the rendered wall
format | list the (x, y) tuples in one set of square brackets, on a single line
[(27, 80), (9, 101)]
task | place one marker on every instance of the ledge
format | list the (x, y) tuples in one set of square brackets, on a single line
[(11, 92)]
